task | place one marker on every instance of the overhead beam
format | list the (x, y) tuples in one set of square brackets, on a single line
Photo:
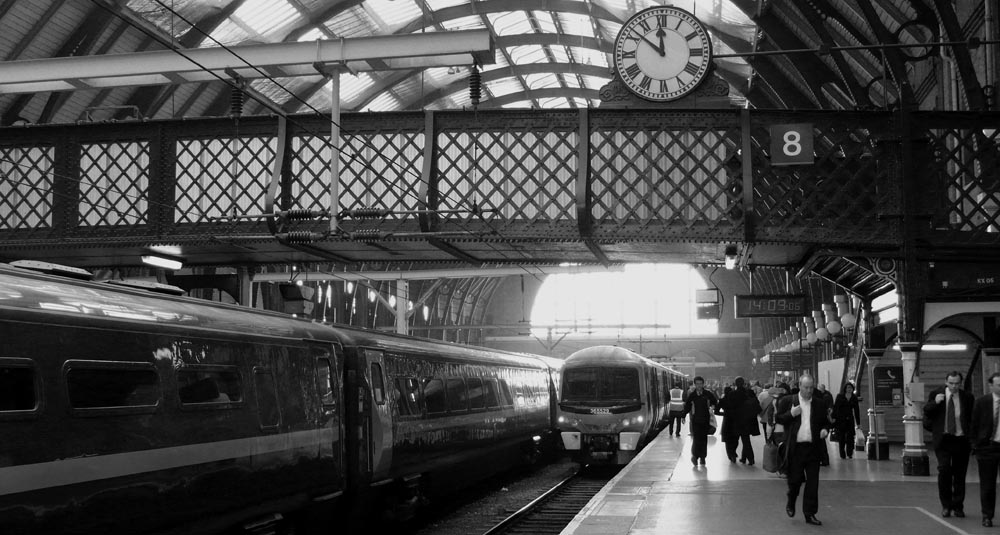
[(163, 67), (431, 274)]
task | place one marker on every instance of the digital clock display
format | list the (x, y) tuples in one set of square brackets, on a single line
[(768, 306)]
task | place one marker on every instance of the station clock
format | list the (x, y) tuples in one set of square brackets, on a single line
[(662, 53)]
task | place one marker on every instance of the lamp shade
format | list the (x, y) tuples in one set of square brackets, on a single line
[(848, 320), (822, 334)]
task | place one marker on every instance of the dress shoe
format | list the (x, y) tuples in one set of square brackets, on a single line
[(694, 461), (945, 512), (790, 509), (811, 519), (703, 461), (959, 513), (987, 522), (743, 461)]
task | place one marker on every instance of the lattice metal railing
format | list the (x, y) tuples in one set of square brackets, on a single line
[(114, 184), (837, 199), (662, 174), (656, 175), (965, 166), (521, 167), (26, 180), (221, 177)]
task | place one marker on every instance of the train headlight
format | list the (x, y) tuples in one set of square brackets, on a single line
[(638, 419), (625, 422), (561, 419)]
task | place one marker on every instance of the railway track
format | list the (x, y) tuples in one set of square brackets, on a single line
[(553, 511)]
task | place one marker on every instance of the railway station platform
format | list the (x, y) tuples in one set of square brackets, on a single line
[(661, 492)]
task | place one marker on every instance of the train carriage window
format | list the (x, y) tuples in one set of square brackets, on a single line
[(268, 413), (458, 396), (209, 384), (324, 381), (492, 399), (477, 399), (434, 397), (18, 386), (112, 384), (407, 396), (593, 384), (505, 396), (378, 385)]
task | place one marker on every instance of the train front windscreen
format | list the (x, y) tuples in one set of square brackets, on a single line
[(600, 385)]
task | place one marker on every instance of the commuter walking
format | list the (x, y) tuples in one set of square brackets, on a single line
[(748, 426), (986, 440), (698, 409), (806, 423), (847, 418), (676, 408), (948, 415), (731, 406)]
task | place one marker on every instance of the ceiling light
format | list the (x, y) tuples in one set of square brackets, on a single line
[(163, 261), (730, 257)]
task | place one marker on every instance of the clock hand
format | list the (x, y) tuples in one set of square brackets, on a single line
[(657, 48), (660, 33)]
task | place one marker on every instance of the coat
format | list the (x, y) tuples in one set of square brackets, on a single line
[(935, 414), (982, 421), (731, 407), (749, 411), (699, 407), (818, 419), (847, 414)]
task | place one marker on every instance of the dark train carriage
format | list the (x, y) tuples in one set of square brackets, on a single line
[(439, 415), (122, 411)]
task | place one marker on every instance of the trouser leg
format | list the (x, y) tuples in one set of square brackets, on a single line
[(944, 476)]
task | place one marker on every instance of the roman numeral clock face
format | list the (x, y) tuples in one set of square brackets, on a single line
[(662, 53)]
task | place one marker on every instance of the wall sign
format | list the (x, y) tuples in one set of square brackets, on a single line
[(792, 144), (888, 386)]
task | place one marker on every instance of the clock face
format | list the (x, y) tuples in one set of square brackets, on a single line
[(662, 53)]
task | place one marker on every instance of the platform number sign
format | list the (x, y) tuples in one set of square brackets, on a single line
[(792, 144)]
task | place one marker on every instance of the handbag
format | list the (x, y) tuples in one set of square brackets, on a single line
[(772, 457), (712, 424), (835, 435), (859, 439)]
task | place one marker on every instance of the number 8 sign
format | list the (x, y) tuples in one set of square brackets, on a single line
[(792, 144)]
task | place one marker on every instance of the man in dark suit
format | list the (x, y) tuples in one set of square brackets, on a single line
[(948, 415), (986, 440), (806, 426)]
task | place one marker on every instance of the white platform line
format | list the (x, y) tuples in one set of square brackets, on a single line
[(929, 514)]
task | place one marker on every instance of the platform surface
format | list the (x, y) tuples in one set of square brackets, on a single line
[(661, 492)]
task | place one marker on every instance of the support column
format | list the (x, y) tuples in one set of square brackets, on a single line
[(915, 461), (402, 298), (877, 445)]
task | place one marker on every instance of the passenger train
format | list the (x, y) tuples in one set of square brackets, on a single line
[(612, 403), (128, 410)]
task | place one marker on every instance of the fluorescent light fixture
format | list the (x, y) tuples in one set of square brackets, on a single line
[(942, 346), (163, 261)]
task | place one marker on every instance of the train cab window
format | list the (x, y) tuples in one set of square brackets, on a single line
[(378, 385), (434, 397), (600, 384), (490, 390), (458, 396), (18, 386), (112, 384), (324, 381), (477, 398), (505, 396), (268, 414), (407, 396), (209, 384)]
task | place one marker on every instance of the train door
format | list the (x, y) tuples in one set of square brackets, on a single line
[(327, 359), (380, 446), (366, 401)]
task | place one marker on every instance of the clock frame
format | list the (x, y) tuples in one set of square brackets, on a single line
[(662, 53)]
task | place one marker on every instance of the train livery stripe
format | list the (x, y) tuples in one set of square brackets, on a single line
[(28, 477)]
